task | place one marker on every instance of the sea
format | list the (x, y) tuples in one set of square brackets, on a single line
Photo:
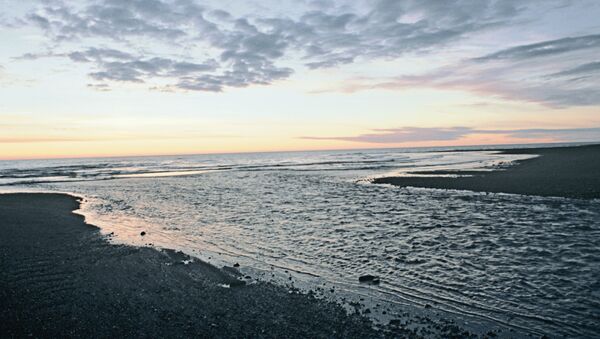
[(315, 221)]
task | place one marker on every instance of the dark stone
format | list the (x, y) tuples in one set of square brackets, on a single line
[(371, 279), (364, 278), (143, 233), (236, 265)]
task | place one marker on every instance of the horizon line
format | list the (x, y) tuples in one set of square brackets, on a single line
[(473, 147)]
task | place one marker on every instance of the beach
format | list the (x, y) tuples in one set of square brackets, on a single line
[(571, 172), (59, 277), (275, 246)]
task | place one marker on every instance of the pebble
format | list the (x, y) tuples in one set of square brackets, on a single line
[(369, 279)]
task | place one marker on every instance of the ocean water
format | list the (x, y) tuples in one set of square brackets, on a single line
[(528, 263)]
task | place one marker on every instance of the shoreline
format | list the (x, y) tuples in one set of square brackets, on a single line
[(59, 276), (568, 172)]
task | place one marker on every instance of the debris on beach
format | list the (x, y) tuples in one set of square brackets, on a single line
[(370, 279)]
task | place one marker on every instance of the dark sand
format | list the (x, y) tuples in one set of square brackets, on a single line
[(59, 277), (572, 172)]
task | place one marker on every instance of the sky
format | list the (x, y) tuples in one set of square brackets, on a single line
[(145, 77)]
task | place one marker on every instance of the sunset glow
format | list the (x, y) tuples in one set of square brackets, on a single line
[(180, 77)]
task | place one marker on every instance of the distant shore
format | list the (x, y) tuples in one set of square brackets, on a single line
[(59, 277), (572, 172)]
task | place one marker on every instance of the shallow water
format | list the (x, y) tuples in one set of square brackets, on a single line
[(527, 262)]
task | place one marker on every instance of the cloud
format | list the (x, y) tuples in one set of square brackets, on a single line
[(99, 54), (115, 65), (112, 19), (188, 45), (99, 87), (417, 134), (243, 55), (513, 75), (565, 134), (389, 29), (405, 134), (245, 50), (545, 48), (581, 70), (124, 67)]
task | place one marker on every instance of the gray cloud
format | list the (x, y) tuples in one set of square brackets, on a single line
[(585, 70), (99, 54), (112, 19), (119, 66), (564, 134), (99, 87), (389, 29), (247, 55), (405, 134), (247, 49), (240, 50), (502, 74), (416, 134), (545, 48), (115, 65)]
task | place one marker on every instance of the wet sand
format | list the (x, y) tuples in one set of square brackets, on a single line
[(572, 172), (59, 277)]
